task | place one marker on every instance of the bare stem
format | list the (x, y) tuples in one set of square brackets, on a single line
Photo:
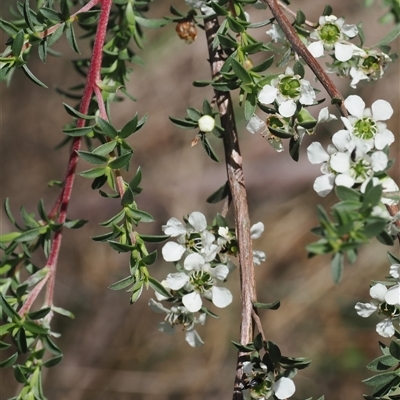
[(234, 169)]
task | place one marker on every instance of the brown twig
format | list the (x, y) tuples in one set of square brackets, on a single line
[(233, 161)]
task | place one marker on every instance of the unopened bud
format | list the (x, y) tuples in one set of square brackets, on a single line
[(206, 123)]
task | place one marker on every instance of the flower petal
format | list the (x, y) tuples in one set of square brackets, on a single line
[(383, 139), (323, 185), (172, 251), (316, 49), (355, 105), (221, 297), (378, 292), (193, 338), (365, 309), (174, 227), (220, 272), (176, 280), (316, 153), (287, 108), (340, 162), (258, 257), (256, 230), (343, 52), (379, 161), (198, 221), (267, 94), (284, 388), (192, 301), (193, 261), (255, 124), (381, 110), (392, 296), (385, 328), (395, 271)]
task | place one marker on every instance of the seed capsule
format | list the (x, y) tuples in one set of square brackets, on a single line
[(187, 31)]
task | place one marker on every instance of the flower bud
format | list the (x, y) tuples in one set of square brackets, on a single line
[(206, 123)]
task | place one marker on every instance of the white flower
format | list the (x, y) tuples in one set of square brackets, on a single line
[(256, 230), (325, 116), (258, 257), (179, 315), (194, 236), (200, 5), (331, 34), (388, 185), (199, 278), (380, 297), (206, 123), (365, 123), (255, 125), (277, 34), (286, 90)]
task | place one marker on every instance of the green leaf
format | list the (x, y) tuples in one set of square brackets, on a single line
[(135, 182), (235, 24), (75, 224), (151, 23), (53, 361), (106, 148), (241, 72), (280, 133), (374, 228), (120, 247), (150, 258), (243, 348), (298, 362), (274, 352), (107, 128), (4, 345), (93, 173), (92, 158), (32, 77), (8, 309), (394, 349), (74, 113), (8, 362), (63, 312), (337, 267), (75, 132), (129, 128), (127, 197), (71, 39), (294, 148), (39, 314), (327, 10), (183, 123), (393, 259), (123, 283), (250, 106), (157, 287), (140, 215), (50, 14), (27, 16), (345, 193), (9, 237), (50, 345), (8, 27), (6, 328), (382, 363), (392, 35), (220, 194), (18, 43), (56, 35), (267, 306), (380, 379), (120, 162), (300, 20), (36, 277), (154, 238), (208, 149), (31, 326), (264, 65), (136, 294), (19, 375), (194, 114)]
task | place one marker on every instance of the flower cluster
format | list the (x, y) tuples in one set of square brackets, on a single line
[(386, 302), (201, 255), (262, 384), (358, 154)]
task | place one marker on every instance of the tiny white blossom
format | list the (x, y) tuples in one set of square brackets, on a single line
[(206, 123), (277, 34), (365, 123), (286, 89)]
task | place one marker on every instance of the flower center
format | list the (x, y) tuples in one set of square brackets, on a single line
[(194, 242), (388, 310), (177, 317), (289, 87), (201, 281), (361, 171), (365, 128), (329, 34)]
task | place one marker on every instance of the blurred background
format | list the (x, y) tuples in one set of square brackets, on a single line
[(113, 350)]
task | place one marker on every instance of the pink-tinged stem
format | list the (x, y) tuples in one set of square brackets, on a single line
[(92, 77), (32, 295)]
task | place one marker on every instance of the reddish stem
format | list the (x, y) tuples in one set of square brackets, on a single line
[(63, 201)]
